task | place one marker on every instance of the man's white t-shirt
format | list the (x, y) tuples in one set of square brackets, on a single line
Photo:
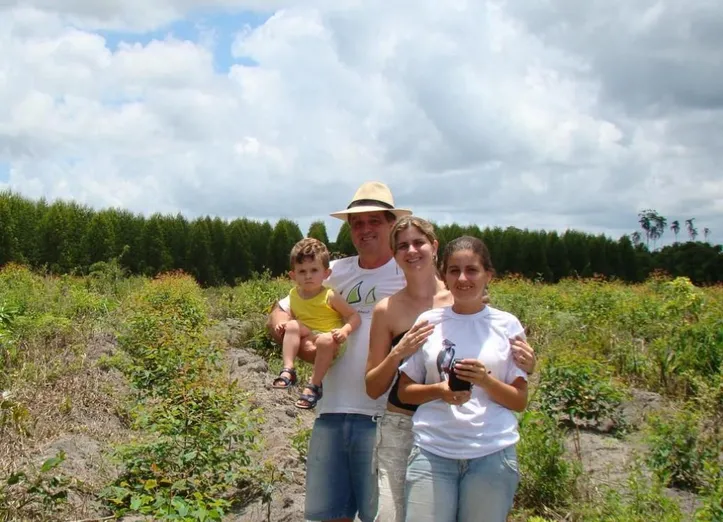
[(480, 426), (344, 387)]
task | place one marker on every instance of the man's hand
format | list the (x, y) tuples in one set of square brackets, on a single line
[(279, 329)]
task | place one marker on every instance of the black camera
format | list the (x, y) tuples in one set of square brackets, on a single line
[(455, 383)]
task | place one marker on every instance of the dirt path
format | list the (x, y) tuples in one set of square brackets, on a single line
[(282, 422)]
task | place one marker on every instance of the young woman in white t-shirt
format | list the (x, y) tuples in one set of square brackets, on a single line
[(463, 466)]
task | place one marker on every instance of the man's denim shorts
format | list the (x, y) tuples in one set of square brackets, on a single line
[(340, 481)]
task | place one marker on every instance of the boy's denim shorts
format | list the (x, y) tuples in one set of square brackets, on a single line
[(340, 480)]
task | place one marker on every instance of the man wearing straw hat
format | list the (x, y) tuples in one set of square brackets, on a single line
[(340, 482)]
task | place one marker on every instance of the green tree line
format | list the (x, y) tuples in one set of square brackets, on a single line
[(66, 237)]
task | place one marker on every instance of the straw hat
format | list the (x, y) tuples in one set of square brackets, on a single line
[(372, 196)]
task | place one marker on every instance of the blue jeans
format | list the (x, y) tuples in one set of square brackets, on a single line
[(340, 481), (450, 490)]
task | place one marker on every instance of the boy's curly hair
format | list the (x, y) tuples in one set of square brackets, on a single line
[(309, 249)]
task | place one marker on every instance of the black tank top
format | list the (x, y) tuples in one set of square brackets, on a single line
[(394, 393)]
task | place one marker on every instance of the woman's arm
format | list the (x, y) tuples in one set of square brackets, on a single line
[(383, 361), (381, 364), (412, 392), (512, 396)]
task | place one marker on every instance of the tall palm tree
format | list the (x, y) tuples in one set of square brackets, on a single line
[(646, 224), (675, 227), (706, 233), (660, 223), (692, 231)]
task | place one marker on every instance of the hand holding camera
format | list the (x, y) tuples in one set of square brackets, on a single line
[(469, 371), (454, 398), (455, 383)]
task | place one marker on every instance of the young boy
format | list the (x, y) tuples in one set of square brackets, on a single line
[(318, 315)]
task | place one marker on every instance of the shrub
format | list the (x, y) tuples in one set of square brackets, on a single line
[(547, 478), (196, 457), (575, 389), (679, 449)]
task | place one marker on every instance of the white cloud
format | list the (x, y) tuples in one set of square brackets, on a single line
[(553, 115)]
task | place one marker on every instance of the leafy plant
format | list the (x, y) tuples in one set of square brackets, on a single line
[(579, 389), (679, 449), (711, 493), (547, 477), (196, 457), (24, 496), (300, 442)]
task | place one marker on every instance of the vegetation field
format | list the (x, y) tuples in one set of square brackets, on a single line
[(129, 396)]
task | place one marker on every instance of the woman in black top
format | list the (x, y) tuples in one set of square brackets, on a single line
[(393, 338)]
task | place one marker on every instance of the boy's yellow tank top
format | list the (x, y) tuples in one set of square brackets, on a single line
[(315, 313)]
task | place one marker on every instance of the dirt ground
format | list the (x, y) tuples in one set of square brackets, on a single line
[(282, 421)]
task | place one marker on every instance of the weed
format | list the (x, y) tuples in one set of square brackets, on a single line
[(300, 442)]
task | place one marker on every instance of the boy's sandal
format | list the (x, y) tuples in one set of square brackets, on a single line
[(282, 382), (310, 399)]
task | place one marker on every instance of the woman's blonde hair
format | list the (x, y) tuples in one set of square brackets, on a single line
[(403, 223)]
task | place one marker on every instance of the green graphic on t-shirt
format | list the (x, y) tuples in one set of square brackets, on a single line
[(354, 294), (371, 297)]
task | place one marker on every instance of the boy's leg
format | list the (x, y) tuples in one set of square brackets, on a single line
[(326, 349), (294, 335)]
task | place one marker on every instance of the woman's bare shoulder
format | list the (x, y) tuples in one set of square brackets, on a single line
[(443, 298)]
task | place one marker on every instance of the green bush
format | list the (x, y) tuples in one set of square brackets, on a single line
[(711, 493), (576, 388), (196, 457), (547, 477), (679, 448)]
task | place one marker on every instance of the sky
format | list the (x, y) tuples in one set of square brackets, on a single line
[(546, 114)]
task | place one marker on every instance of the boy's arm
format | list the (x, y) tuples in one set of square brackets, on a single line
[(352, 319)]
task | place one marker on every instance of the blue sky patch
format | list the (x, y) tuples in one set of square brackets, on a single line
[(4, 172), (223, 24)]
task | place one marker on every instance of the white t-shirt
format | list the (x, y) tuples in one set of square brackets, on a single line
[(480, 426), (344, 387)]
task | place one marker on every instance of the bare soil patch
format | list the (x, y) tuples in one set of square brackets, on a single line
[(78, 412), (282, 421)]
